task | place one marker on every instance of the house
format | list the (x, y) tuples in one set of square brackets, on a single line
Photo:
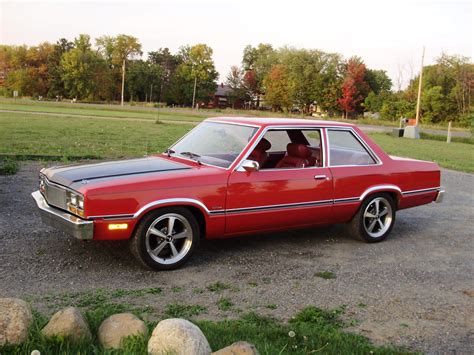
[(223, 98)]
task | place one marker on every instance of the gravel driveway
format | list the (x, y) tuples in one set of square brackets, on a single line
[(414, 289)]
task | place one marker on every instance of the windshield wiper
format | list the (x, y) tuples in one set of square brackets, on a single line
[(169, 152), (193, 156)]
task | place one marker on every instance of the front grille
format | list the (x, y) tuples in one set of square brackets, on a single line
[(55, 195)]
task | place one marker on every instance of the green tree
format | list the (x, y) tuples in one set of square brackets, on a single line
[(196, 69), (277, 88), (118, 50), (144, 80), (81, 69), (257, 62), (56, 84), (433, 104), (168, 63), (236, 81), (378, 81)]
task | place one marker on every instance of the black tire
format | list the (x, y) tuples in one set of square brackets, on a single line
[(360, 225), (144, 241)]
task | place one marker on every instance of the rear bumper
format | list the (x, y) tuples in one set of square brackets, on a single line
[(75, 226), (440, 196)]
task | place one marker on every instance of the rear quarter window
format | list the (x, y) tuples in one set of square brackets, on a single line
[(345, 149)]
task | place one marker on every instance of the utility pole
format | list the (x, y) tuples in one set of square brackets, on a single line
[(151, 91), (194, 91), (123, 81), (417, 120)]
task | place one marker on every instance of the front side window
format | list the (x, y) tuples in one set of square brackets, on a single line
[(345, 149), (288, 149), (214, 143)]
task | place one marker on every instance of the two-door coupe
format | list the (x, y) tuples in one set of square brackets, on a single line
[(234, 176)]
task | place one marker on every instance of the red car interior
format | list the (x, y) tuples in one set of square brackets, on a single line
[(297, 156), (260, 154)]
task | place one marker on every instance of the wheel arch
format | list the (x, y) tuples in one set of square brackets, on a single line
[(394, 191), (197, 208)]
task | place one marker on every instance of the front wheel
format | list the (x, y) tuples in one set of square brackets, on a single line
[(166, 238), (375, 218)]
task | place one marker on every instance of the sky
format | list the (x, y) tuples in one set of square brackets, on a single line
[(387, 34)]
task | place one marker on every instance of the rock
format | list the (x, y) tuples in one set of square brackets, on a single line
[(68, 323), (119, 326), (238, 348), (178, 336), (15, 318)]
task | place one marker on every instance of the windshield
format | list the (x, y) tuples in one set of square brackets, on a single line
[(214, 143)]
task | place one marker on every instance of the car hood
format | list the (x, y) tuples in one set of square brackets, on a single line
[(69, 175)]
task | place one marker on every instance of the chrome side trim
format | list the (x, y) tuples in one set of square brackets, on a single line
[(266, 207), (412, 192), (346, 200), (75, 226), (282, 206)]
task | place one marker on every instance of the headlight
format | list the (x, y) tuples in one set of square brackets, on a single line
[(75, 203), (42, 186)]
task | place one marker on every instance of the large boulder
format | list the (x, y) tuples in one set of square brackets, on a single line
[(15, 318), (238, 348), (68, 323), (178, 336), (119, 326)]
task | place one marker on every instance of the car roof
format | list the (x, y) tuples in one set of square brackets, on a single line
[(277, 121)]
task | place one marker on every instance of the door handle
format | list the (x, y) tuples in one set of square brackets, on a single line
[(321, 177)]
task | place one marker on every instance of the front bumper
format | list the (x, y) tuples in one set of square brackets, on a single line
[(54, 217), (439, 196)]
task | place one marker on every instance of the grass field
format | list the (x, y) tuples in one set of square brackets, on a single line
[(71, 137), (74, 137), (312, 330), (456, 156), (147, 111)]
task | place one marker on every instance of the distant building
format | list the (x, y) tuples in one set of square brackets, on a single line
[(223, 98)]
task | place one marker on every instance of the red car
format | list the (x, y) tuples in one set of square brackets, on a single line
[(234, 176)]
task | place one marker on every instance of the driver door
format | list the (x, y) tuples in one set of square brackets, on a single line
[(272, 199)]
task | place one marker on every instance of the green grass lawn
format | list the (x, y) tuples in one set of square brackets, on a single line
[(47, 135), (312, 330), (73, 137), (103, 112), (147, 111), (456, 156)]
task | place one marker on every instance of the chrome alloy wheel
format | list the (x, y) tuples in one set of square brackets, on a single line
[(169, 238), (378, 217)]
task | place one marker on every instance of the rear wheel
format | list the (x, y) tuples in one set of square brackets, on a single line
[(166, 238), (375, 218)]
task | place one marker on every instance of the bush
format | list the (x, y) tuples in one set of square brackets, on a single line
[(8, 166)]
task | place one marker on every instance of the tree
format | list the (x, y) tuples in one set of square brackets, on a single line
[(56, 84), (433, 104), (257, 62), (81, 69), (378, 81), (118, 50), (144, 80), (168, 63), (277, 88), (235, 79), (354, 88), (196, 69)]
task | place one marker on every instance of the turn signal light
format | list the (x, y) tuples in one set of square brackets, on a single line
[(113, 227)]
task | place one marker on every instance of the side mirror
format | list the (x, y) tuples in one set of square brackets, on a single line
[(249, 166)]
